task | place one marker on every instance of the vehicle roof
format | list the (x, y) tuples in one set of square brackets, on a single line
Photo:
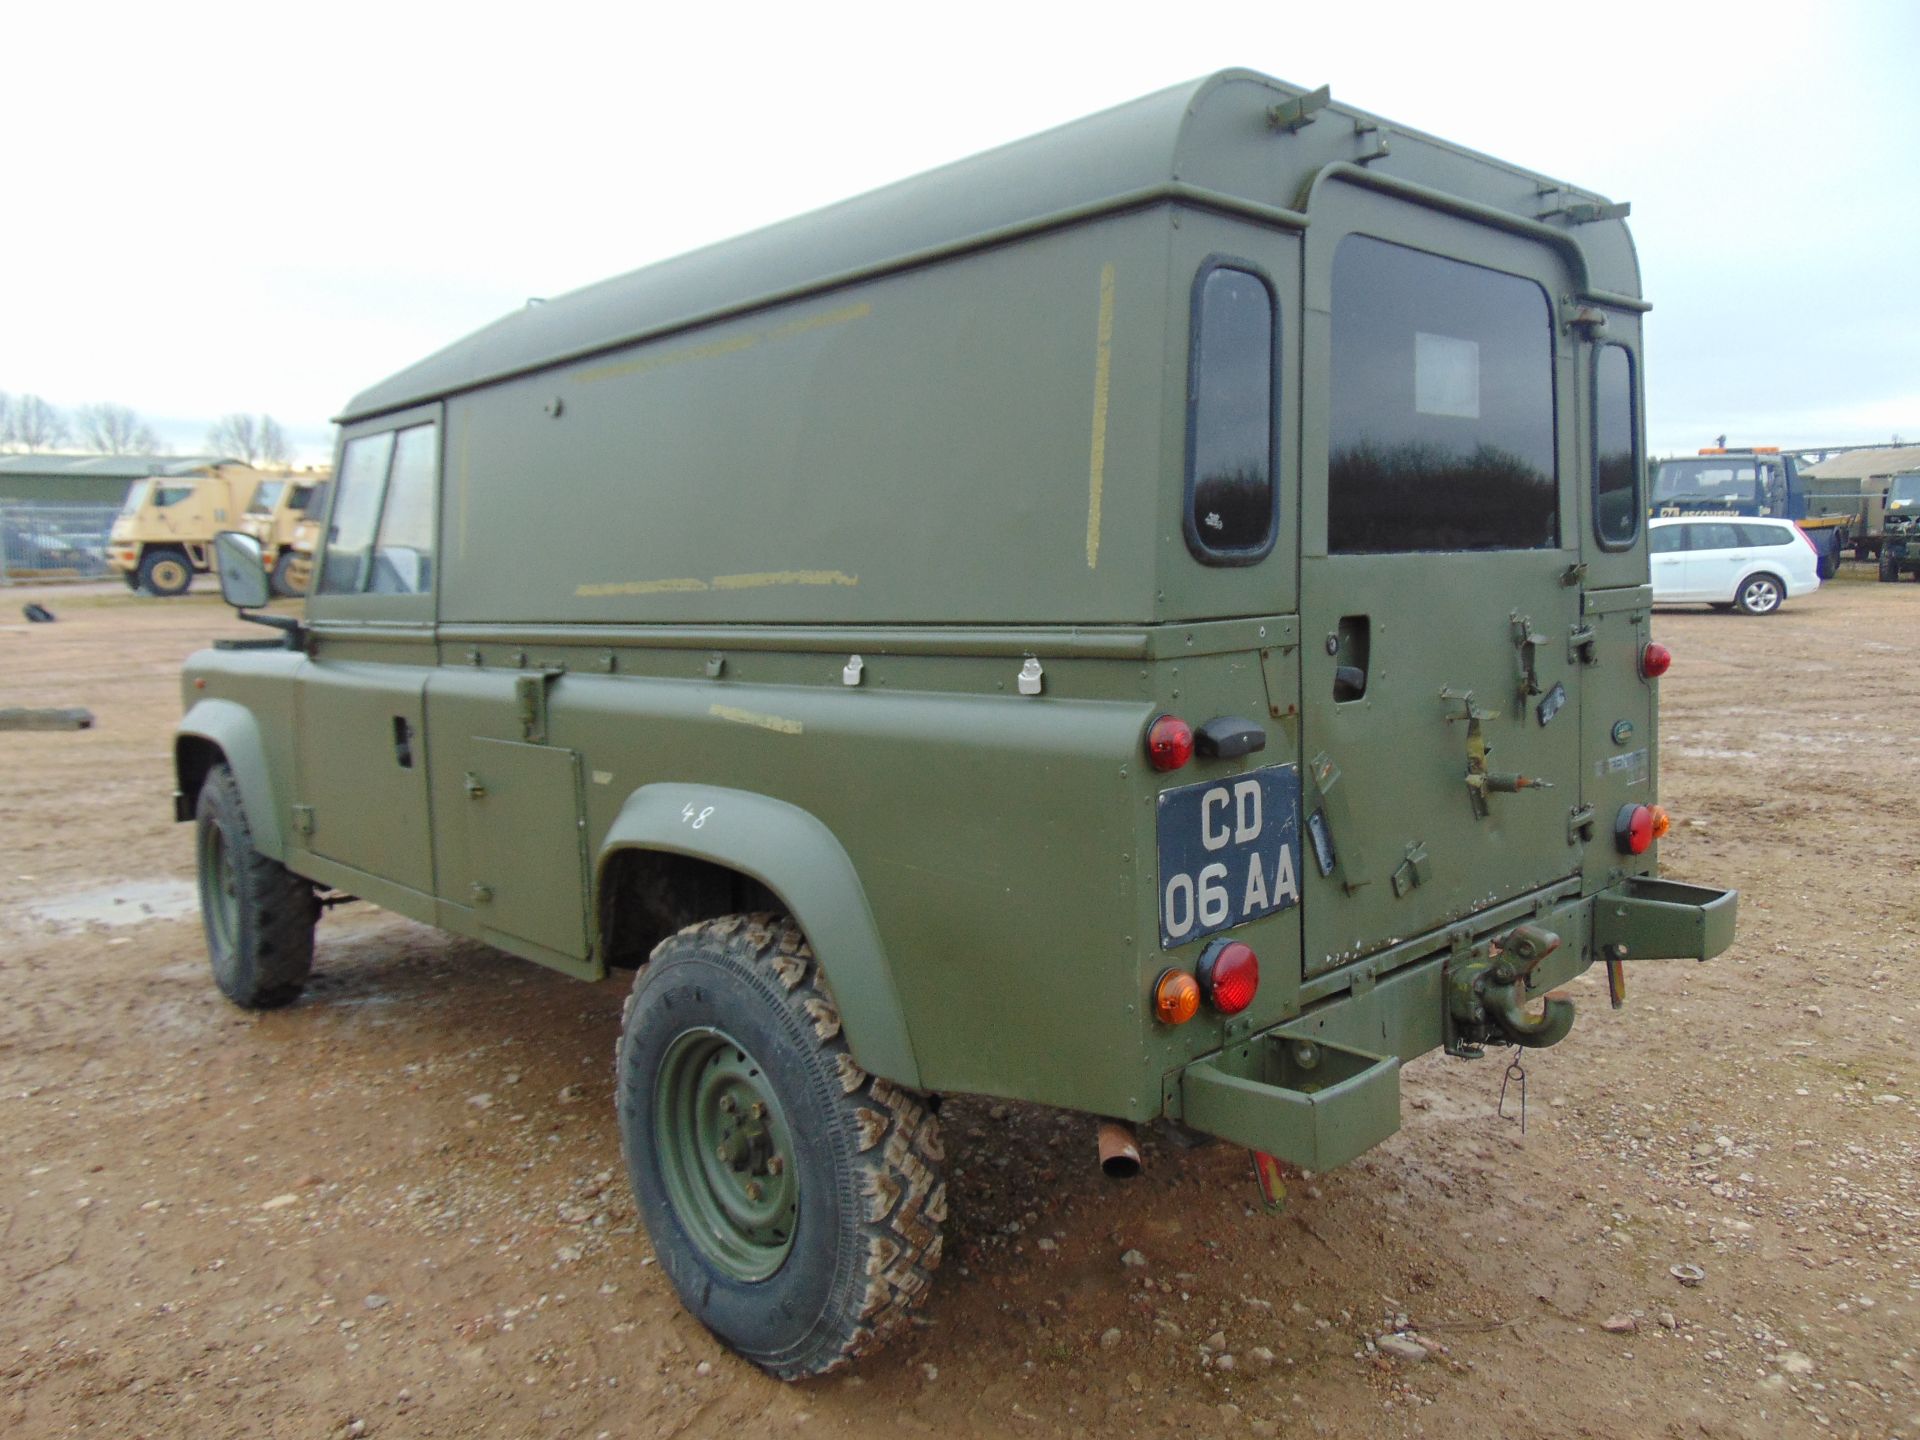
[(1708, 519), (1209, 135)]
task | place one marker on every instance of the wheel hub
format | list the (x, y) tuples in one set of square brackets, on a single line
[(726, 1154)]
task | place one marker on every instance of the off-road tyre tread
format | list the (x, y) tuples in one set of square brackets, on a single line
[(1889, 568), (151, 561), (279, 909), (896, 1150)]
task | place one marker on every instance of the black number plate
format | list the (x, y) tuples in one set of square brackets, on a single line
[(1229, 852)]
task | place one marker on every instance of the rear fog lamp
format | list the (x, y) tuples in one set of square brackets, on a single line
[(1229, 975)]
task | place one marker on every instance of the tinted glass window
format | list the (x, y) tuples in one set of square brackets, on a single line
[(1667, 539), (265, 497), (403, 558), (1230, 402), (1713, 537), (363, 476), (1730, 481), (1765, 535), (1616, 456), (1442, 426), (165, 495)]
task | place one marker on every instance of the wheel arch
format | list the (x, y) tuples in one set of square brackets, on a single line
[(220, 731), (798, 861)]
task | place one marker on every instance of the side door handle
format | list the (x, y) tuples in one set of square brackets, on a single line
[(402, 742)]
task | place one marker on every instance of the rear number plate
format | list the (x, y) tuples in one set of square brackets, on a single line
[(1229, 852)]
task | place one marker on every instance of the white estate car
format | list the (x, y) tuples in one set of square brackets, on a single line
[(1731, 562)]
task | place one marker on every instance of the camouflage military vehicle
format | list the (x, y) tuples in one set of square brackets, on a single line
[(1153, 620), (304, 540), (163, 535), (1900, 537)]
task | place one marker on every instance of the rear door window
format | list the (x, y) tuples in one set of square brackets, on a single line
[(1668, 540), (1231, 441), (1442, 425), (1714, 537)]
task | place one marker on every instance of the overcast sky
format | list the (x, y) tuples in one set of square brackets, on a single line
[(268, 207)]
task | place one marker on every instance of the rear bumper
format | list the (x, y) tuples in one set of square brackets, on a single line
[(1323, 1088)]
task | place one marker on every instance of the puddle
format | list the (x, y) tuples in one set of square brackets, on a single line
[(134, 902)]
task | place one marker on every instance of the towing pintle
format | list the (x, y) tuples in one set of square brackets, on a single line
[(1486, 995)]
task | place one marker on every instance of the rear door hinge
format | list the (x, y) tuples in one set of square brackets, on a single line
[(1582, 646), (303, 819), (530, 699), (1580, 825)]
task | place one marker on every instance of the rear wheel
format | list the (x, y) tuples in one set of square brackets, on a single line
[(1889, 568), (1759, 595), (165, 572), (258, 915), (793, 1200)]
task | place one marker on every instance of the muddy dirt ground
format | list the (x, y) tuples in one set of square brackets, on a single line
[(397, 1209)]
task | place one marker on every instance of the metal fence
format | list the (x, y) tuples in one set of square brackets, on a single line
[(54, 542)]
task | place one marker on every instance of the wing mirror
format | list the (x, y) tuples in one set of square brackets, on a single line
[(243, 583), (242, 569)]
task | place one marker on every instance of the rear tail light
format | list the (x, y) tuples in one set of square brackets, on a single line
[(1169, 743), (1638, 826), (1809, 539), (1654, 660), (1229, 975), (1176, 998)]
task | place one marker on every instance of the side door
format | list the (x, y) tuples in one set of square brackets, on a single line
[(1715, 558), (1440, 574), (362, 796)]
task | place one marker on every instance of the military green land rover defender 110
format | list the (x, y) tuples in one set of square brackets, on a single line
[(1152, 620)]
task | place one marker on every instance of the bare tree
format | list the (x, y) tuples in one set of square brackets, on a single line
[(36, 425), (258, 440), (115, 430)]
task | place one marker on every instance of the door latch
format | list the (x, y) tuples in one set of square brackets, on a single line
[(1527, 641), (1482, 782)]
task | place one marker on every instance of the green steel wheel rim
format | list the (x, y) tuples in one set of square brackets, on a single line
[(726, 1154), (219, 888)]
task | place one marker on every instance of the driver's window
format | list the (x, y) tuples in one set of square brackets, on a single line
[(403, 557)]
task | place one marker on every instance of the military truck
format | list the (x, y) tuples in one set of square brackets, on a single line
[(1760, 480), (273, 518), (305, 540), (1152, 620), (163, 535), (1900, 535)]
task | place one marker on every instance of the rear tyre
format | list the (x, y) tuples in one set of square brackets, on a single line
[(793, 1200), (166, 572), (258, 915), (1759, 595), (1889, 568)]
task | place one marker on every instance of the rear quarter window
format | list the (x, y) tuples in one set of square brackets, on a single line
[(1765, 535), (1231, 440)]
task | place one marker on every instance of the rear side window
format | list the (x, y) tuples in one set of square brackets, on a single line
[(1668, 539), (1442, 434), (1616, 454), (1765, 535), (1713, 537), (1230, 417)]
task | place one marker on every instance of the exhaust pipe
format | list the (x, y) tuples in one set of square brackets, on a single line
[(1119, 1150)]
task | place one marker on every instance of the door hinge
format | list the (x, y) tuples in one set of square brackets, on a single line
[(303, 819), (1582, 646), (1580, 825), (530, 697)]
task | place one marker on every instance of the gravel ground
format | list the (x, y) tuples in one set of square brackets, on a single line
[(398, 1209)]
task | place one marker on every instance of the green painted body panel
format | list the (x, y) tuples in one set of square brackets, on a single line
[(852, 557)]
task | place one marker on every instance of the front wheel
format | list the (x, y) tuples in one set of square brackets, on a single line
[(258, 915), (1759, 595), (1889, 568), (793, 1200)]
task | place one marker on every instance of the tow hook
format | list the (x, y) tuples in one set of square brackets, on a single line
[(1487, 1000)]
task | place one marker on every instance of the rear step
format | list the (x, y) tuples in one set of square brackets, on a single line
[(1307, 1102)]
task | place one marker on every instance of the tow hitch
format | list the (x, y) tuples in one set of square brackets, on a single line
[(1486, 996)]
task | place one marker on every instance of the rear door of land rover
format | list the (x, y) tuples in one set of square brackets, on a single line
[(1440, 579)]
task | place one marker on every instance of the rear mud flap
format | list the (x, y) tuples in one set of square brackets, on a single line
[(1309, 1103), (1646, 919)]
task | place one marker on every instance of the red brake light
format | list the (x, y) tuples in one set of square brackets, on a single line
[(1654, 660), (1633, 829), (1229, 975), (1169, 743), (1809, 539)]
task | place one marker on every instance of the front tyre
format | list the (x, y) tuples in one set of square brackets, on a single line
[(166, 573), (1759, 595), (258, 915), (793, 1200)]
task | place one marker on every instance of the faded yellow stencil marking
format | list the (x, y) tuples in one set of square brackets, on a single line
[(730, 345), (764, 581), (784, 577), (776, 723), (1102, 378)]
